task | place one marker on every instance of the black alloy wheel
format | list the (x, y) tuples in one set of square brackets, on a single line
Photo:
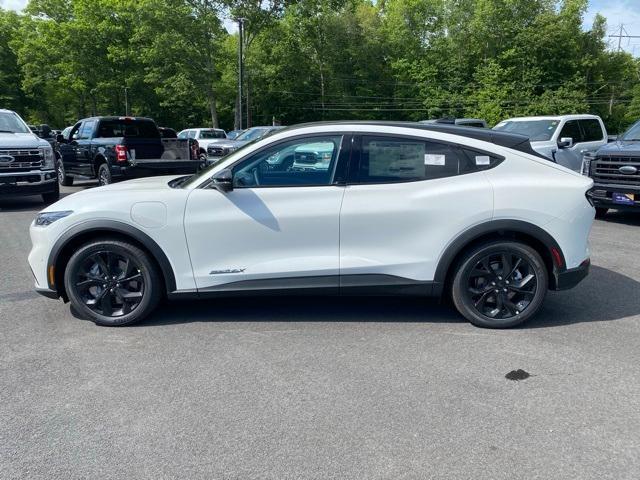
[(112, 282), (500, 284)]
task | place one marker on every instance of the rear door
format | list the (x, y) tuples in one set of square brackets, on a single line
[(406, 199), (84, 163), (593, 136)]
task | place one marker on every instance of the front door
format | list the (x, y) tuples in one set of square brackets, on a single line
[(279, 226)]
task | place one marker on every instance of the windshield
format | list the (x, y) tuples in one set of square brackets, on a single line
[(252, 134), (12, 123), (212, 134), (633, 134), (536, 130)]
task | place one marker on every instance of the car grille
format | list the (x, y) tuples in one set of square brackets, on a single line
[(23, 160), (214, 151), (606, 169)]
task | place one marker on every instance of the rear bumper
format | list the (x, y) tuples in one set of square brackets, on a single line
[(153, 168), (34, 182), (572, 277)]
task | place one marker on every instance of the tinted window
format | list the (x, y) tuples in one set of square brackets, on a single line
[(572, 130), (183, 134), (127, 128), (591, 130), (536, 130), (387, 160), (300, 162)]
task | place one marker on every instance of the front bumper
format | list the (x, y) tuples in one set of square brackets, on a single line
[(570, 278), (34, 182), (601, 196)]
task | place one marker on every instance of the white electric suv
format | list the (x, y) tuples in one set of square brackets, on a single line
[(392, 209)]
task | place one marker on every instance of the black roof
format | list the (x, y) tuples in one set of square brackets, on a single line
[(504, 139)]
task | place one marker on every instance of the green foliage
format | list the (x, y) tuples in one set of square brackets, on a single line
[(310, 60)]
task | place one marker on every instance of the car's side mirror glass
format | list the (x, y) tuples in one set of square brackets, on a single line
[(565, 142), (223, 180)]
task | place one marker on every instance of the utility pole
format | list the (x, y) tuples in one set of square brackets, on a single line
[(621, 34), (240, 70), (126, 102)]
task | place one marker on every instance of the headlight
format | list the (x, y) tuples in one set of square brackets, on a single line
[(586, 164), (48, 156), (47, 218)]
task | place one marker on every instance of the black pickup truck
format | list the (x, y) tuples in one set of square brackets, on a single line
[(116, 148), (615, 169)]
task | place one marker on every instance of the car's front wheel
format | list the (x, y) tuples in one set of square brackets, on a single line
[(112, 282), (499, 284)]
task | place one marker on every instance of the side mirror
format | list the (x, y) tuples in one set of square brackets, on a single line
[(223, 180), (60, 138), (565, 142)]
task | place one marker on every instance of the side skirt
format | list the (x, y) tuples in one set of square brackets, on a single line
[(331, 285)]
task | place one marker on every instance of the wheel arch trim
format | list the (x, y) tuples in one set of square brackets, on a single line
[(101, 226), (499, 228)]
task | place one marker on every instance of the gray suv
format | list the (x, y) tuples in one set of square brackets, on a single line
[(26, 161)]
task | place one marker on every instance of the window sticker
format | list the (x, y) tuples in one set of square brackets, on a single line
[(483, 160), (396, 159), (433, 159)]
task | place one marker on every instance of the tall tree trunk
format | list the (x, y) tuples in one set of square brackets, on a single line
[(211, 97)]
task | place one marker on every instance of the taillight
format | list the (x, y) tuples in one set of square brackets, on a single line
[(121, 153), (557, 257)]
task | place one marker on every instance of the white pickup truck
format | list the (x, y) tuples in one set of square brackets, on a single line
[(565, 139)]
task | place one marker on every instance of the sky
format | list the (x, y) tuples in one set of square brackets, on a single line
[(617, 12)]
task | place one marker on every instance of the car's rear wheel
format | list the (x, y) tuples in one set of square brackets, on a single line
[(112, 282), (499, 284), (104, 175)]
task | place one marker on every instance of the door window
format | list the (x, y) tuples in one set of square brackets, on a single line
[(86, 130), (307, 161), (571, 130), (591, 130), (389, 160)]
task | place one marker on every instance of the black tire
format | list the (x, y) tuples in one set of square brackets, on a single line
[(601, 212), (482, 285), (104, 175), (51, 197), (63, 178), (112, 282)]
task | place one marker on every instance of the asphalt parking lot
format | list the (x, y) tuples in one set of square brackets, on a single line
[(323, 388)]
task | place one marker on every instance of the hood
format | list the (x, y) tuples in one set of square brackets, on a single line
[(620, 147), (226, 143), (21, 140), (153, 187)]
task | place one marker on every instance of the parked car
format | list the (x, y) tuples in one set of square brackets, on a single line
[(399, 208), (115, 148), (223, 148), (205, 137), (27, 162), (615, 169), (233, 134), (565, 139), (464, 122)]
